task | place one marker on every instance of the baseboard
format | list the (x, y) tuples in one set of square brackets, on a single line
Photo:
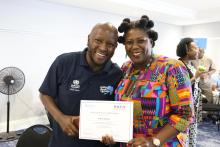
[(24, 123)]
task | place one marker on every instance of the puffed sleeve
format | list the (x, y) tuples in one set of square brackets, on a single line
[(180, 96)]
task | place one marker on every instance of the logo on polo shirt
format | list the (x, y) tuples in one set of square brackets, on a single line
[(106, 90), (75, 86)]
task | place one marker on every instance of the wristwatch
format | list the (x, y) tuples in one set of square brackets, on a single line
[(156, 141)]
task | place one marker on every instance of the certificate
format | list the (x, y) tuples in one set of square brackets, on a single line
[(99, 118)]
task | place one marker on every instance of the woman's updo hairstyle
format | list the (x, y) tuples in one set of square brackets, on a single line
[(144, 23)]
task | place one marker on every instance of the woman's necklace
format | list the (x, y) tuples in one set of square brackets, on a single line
[(134, 75), (134, 71), (144, 68)]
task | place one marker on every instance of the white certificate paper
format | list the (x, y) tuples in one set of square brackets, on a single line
[(98, 118)]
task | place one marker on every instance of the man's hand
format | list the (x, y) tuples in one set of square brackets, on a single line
[(69, 124)]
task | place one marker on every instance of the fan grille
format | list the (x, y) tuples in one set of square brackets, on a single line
[(12, 80)]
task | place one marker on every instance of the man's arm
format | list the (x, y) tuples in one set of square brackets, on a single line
[(211, 71), (67, 123), (212, 68)]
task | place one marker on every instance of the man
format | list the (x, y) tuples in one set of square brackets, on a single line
[(86, 75), (206, 64)]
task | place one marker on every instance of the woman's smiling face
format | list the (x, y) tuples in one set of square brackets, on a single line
[(138, 46)]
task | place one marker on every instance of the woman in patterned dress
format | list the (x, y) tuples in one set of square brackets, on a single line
[(188, 51), (158, 86)]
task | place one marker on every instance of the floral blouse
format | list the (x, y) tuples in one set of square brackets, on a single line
[(161, 94)]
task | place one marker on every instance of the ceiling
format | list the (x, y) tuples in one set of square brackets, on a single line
[(178, 12)]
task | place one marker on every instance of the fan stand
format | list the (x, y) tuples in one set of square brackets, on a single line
[(8, 136)]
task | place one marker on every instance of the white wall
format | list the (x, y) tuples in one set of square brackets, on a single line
[(211, 31), (169, 37), (33, 33)]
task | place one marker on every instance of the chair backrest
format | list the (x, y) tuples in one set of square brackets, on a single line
[(35, 136)]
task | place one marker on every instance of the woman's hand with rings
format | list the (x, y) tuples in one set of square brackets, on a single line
[(141, 142), (147, 144)]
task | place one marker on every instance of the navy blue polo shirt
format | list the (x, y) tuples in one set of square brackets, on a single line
[(69, 80)]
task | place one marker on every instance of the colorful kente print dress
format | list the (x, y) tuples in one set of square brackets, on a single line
[(162, 95)]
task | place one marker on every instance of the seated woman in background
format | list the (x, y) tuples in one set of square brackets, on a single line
[(159, 87), (187, 50), (216, 87)]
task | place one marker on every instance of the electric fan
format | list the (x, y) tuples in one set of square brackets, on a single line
[(12, 80)]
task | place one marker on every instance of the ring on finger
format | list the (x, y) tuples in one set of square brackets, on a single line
[(147, 144)]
